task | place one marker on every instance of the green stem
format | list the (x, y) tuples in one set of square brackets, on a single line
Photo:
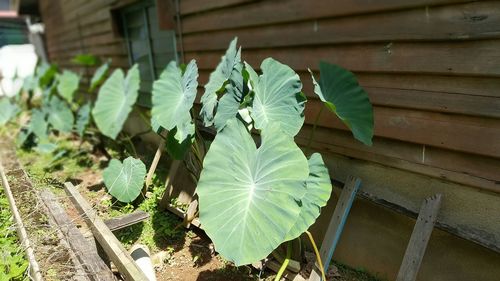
[(318, 256), (311, 136), (285, 262), (131, 144)]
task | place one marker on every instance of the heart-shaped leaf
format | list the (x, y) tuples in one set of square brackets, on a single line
[(319, 188), (115, 100), (99, 76), (278, 98), (68, 84), (125, 180), (342, 95), (174, 94), (231, 100), (38, 124), (249, 196), (7, 111), (217, 80), (60, 115), (82, 119)]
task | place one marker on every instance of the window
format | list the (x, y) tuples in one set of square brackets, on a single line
[(147, 45)]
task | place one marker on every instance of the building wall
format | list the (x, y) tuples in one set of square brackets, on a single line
[(430, 67)]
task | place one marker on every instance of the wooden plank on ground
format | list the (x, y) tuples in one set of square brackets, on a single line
[(336, 225), (94, 267), (126, 220), (113, 248), (419, 239)]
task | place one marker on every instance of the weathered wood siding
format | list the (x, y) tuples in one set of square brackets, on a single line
[(430, 67)]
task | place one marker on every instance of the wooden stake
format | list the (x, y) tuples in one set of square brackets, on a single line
[(155, 162), (165, 200), (336, 225), (419, 239)]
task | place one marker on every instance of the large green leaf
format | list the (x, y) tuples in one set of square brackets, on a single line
[(125, 180), (68, 84), (342, 94), (249, 196), (319, 188), (99, 76), (82, 119), (217, 80), (38, 124), (115, 100), (7, 111), (231, 100), (174, 94), (278, 98), (60, 115)]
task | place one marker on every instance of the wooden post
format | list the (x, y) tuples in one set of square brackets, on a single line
[(113, 248), (419, 239), (165, 200), (336, 225), (154, 164)]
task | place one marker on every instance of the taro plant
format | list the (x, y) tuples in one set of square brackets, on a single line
[(254, 197)]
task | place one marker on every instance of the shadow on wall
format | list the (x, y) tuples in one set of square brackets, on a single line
[(16, 63)]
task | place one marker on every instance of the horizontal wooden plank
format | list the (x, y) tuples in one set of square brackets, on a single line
[(461, 58), (479, 169), (441, 23), (196, 6), (462, 133), (272, 12), (421, 92), (431, 171)]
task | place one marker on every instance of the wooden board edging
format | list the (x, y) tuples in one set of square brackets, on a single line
[(110, 244)]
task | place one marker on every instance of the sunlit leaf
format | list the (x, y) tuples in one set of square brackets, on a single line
[(339, 89), (82, 119), (115, 100), (60, 115), (173, 96), (278, 98), (125, 180), (319, 188), (231, 100), (217, 80), (38, 124), (68, 84), (99, 76), (249, 197), (8, 110)]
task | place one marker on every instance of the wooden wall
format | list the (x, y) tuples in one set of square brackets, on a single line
[(430, 67)]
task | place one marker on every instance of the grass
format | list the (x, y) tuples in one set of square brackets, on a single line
[(13, 264)]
